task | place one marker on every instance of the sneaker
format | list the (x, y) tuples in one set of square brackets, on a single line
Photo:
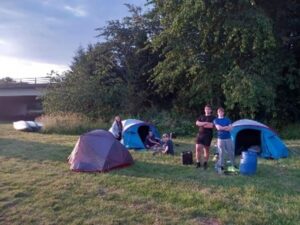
[(205, 165), (198, 165)]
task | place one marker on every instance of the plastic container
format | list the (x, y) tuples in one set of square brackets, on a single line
[(248, 163)]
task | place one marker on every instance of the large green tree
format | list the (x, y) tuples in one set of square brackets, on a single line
[(219, 52), (92, 86), (243, 54), (285, 16)]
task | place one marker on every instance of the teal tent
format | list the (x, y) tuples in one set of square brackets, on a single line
[(135, 132), (248, 133)]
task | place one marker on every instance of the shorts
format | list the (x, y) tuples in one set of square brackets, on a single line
[(204, 139)]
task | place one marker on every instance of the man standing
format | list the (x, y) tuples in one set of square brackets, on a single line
[(204, 137), (224, 142)]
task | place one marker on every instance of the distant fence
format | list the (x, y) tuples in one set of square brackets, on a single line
[(26, 82), (34, 80)]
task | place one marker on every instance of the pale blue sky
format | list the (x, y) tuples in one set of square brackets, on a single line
[(37, 36)]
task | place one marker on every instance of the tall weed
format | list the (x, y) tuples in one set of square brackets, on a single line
[(70, 123)]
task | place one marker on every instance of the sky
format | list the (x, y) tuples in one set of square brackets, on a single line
[(37, 36)]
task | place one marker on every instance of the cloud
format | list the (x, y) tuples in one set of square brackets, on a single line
[(27, 68), (44, 34), (8, 47), (77, 11), (3, 42), (53, 20), (9, 12)]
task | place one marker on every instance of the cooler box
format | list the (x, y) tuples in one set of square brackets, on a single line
[(187, 158)]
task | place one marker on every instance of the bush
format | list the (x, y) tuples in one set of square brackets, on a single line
[(70, 123), (291, 131), (167, 122)]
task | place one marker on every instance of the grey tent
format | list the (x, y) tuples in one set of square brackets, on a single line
[(98, 151)]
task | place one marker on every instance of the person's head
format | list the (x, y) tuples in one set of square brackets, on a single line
[(150, 133), (117, 118), (207, 110), (220, 112), (165, 137)]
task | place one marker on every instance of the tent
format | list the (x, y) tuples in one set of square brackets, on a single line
[(135, 132), (246, 133), (98, 151)]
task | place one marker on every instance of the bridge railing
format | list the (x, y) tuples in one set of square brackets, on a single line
[(34, 80), (25, 82)]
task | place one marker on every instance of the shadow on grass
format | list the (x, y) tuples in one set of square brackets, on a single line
[(36, 151)]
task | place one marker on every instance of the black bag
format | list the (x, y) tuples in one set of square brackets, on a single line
[(187, 158)]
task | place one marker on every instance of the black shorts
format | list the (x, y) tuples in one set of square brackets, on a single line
[(204, 139)]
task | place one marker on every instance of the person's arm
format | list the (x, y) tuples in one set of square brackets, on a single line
[(151, 140), (208, 125), (219, 127), (166, 148), (226, 128), (201, 124)]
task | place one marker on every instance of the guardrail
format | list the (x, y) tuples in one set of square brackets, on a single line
[(35, 80), (25, 82)]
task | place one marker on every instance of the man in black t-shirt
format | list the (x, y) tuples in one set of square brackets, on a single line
[(204, 137)]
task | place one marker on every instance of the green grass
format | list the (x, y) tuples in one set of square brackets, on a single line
[(37, 187)]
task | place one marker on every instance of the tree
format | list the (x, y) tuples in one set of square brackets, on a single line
[(129, 40), (110, 76), (7, 80), (219, 51), (285, 16)]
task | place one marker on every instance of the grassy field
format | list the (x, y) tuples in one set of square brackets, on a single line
[(37, 187)]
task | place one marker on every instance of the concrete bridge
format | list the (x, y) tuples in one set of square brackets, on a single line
[(21, 100)]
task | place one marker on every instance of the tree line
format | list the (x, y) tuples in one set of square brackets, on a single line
[(180, 55)]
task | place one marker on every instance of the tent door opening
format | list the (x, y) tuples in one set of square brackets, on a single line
[(143, 132), (247, 138)]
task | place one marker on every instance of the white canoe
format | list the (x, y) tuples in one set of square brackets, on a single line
[(30, 126)]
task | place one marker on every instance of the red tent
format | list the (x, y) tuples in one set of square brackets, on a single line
[(98, 151)]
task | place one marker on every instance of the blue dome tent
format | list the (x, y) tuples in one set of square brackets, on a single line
[(246, 133), (135, 132)]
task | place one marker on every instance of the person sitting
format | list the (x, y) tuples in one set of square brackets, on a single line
[(151, 142), (168, 146)]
